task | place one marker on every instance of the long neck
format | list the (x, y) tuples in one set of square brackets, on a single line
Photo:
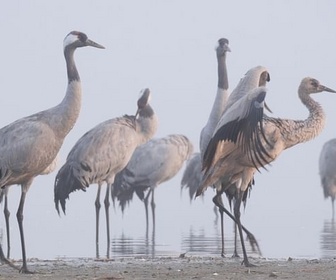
[(147, 124), (302, 131), (218, 105), (64, 116), (223, 81), (70, 64)]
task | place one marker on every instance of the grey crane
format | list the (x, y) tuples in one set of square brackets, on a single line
[(255, 77), (153, 163), (327, 170), (246, 140), (192, 175), (101, 153), (29, 145), (4, 198)]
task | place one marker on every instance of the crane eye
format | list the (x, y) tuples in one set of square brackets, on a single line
[(314, 83)]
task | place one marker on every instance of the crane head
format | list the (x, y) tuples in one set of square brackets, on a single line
[(310, 85), (223, 47), (78, 39), (143, 100)]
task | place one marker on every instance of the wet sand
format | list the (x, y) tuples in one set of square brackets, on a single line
[(187, 267)]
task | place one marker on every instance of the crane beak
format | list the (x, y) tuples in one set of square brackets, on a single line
[(267, 108), (136, 114), (324, 88), (227, 48), (94, 44)]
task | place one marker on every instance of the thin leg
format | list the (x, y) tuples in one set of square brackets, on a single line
[(237, 216), (19, 215), (146, 209), (7, 214), (253, 241), (333, 208), (153, 209), (235, 252), (97, 205), (107, 214), (153, 216), (216, 209), (6, 261), (218, 200)]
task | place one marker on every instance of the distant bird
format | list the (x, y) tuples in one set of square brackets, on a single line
[(4, 198), (221, 98), (327, 168), (101, 153), (192, 175), (29, 145), (247, 140), (152, 164)]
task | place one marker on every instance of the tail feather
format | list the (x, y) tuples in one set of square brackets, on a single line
[(122, 191), (65, 183)]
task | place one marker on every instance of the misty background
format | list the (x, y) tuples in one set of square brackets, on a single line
[(169, 47)]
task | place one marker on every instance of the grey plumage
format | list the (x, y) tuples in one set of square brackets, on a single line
[(192, 175), (253, 78), (29, 145), (327, 171), (151, 164), (231, 160), (104, 151)]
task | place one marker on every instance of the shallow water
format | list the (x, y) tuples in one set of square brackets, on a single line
[(286, 227)]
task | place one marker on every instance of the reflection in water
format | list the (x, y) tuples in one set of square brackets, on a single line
[(128, 246), (328, 239), (200, 243), (194, 241)]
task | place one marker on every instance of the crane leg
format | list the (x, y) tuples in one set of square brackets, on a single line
[(237, 216), (4, 260), (146, 209), (217, 199), (107, 214), (216, 210), (153, 210), (253, 241), (97, 206), (7, 214), (19, 216), (235, 252)]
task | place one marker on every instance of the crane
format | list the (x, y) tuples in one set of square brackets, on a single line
[(152, 163), (101, 153), (223, 100), (246, 140), (29, 145), (327, 170)]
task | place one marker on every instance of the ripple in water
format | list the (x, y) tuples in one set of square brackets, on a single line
[(328, 239)]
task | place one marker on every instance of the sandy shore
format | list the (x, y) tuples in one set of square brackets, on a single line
[(188, 267)]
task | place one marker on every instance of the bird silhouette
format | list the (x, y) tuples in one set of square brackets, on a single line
[(152, 163), (246, 140), (101, 153), (327, 170), (29, 145)]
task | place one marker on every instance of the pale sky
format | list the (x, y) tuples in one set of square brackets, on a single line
[(169, 47)]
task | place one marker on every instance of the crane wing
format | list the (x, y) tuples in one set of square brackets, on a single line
[(242, 124)]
